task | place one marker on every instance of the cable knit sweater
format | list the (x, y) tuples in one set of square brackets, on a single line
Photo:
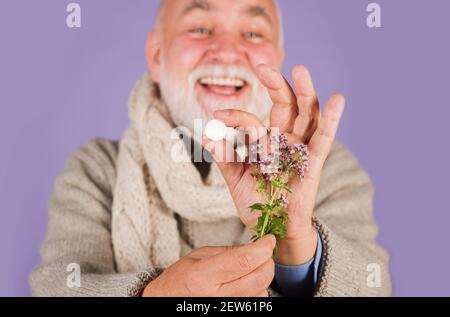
[(81, 221)]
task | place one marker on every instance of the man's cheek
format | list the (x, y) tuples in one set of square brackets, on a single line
[(186, 54), (263, 54)]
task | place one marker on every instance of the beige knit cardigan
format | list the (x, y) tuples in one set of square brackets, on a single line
[(80, 228)]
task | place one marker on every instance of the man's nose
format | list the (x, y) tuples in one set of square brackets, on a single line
[(226, 49)]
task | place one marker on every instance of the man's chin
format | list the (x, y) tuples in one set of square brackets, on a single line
[(212, 102), (210, 106)]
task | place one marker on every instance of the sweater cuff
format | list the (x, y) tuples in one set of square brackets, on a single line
[(141, 280), (344, 267)]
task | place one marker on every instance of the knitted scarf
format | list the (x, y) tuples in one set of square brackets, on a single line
[(152, 189)]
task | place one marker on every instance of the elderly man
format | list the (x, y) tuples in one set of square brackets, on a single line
[(127, 219)]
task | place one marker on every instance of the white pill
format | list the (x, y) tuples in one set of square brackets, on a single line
[(215, 130)]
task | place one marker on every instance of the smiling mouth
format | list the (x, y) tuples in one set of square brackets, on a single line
[(223, 86)]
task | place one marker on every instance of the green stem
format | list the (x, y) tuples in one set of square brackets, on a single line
[(273, 195), (266, 220)]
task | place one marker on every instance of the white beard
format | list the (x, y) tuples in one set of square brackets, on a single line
[(184, 108)]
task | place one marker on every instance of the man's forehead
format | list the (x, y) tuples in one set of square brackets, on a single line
[(264, 8)]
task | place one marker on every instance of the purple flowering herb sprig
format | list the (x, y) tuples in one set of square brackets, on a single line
[(273, 174)]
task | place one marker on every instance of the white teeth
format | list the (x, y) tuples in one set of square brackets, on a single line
[(222, 81)]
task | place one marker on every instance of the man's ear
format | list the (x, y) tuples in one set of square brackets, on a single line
[(152, 54)]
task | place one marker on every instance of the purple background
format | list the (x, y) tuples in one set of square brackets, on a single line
[(60, 87)]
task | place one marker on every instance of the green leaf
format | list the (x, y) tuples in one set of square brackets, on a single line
[(281, 212), (261, 221), (278, 222), (257, 207), (278, 182), (262, 185)]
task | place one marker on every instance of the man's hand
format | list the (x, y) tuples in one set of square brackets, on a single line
[(296, 113), (241, 271)]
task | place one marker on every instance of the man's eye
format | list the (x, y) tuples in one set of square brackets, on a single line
[(253, 36), (200, 31)]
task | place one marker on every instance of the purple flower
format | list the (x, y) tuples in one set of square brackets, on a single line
[(274, 173), (287, 159), (256, 148)]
